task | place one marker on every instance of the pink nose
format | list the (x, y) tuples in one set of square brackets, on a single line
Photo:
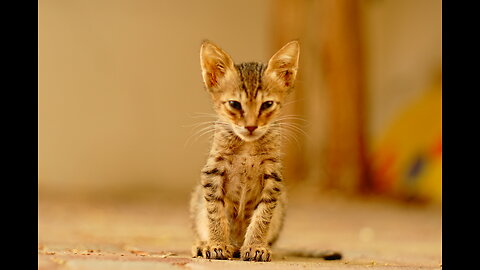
[(251, 128)]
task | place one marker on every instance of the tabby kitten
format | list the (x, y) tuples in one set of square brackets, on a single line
[(237, 209)]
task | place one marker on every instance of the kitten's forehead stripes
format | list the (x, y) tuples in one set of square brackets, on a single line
[(251, 78)]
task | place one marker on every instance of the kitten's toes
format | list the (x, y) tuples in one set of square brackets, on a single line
[(256, 253), (197, 249), (217, 252)]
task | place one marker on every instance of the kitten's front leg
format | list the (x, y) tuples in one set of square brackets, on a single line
[(255, 247), (217, 246)]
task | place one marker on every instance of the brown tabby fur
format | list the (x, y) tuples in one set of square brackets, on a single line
[(238, 207)]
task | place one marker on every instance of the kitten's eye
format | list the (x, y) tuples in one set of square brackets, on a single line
[(235, 104), (266, 105)]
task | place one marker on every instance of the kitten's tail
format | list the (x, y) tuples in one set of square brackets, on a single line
[(320, 254)]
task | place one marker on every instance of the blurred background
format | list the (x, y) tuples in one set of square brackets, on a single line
[(120, 93)]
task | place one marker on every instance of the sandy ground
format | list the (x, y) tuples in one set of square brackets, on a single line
[(155, 234)]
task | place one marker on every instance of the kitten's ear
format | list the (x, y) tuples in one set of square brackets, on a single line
[(216, 64), (282, 67)]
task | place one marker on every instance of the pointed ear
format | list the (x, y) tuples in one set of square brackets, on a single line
[(282, 67), (216, 65)]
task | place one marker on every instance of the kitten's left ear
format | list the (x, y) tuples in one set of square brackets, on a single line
[(282, 67)]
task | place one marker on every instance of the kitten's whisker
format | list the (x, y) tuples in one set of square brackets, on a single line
[(202, 128), (293, 101), (204, 133), (286, 124), (288, 136), (199, 131), (200, 123), (298, 131), (190, 139), (292, 130), (290, 118), (300, 126), (296, 125), (298, 115), (283, 130), (213, 127), (289, 125), (214, 122)]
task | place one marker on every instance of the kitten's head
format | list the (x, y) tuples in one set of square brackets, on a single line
[(248, 95)]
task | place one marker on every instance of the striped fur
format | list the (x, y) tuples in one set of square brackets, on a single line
[(238, 207)]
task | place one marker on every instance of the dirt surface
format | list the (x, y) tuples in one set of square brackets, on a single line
[(155, 234)]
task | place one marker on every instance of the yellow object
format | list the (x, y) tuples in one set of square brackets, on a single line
[(407, 159)]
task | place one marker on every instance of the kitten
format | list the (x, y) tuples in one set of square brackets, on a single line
[(238, 208)]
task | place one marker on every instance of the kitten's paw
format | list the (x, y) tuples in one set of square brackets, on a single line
[(256, 253), (217, 251), (197, 249)]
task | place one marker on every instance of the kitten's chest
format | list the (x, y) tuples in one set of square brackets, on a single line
[(245, 167), (245, 179)]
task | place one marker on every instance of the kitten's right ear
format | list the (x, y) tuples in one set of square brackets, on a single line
[(216, 65)]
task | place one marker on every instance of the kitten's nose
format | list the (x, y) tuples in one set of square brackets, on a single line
[(251, 128)]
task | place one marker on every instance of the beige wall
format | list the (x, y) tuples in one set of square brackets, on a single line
[(119, 80), (404, 54)]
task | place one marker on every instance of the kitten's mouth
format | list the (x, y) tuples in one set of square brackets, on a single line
[(249, 136)]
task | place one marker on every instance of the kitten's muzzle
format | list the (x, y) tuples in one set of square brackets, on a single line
[(249, 133)]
